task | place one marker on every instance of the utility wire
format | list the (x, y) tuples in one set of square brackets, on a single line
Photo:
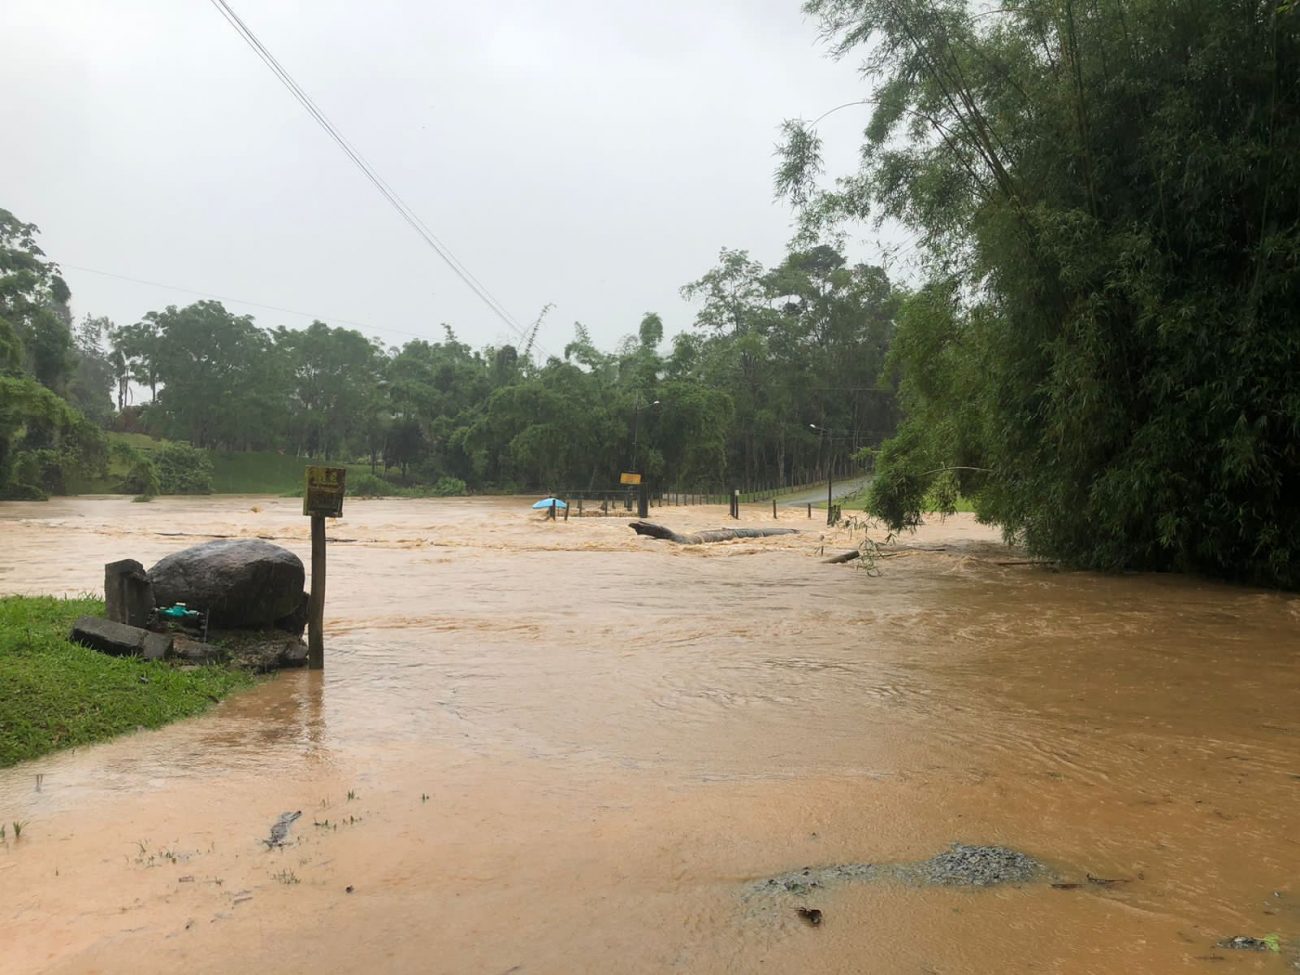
[(369, 171)]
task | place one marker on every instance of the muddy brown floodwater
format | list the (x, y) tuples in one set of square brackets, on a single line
[(556, 747)]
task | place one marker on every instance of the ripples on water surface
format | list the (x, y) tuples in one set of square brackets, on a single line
[(615, 735)]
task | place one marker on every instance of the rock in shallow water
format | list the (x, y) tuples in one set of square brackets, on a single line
[(958, 866), (238, 582), (979, 866), (1244, 942)]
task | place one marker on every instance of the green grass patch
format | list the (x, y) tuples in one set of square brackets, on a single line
[(57, 694), (267, 473), (961, 505), (254, 472), (248, 472), (857, 501)]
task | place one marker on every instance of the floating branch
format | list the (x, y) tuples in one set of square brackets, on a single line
[(701, 538)]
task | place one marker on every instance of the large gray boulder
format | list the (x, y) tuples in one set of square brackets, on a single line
[(241, 583)]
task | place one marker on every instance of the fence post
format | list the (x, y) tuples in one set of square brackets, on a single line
[(774, 507)]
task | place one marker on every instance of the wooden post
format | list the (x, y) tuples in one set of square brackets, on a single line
[(774, 507), (316, 604), (809, 509), (323, 498), (830, 497)]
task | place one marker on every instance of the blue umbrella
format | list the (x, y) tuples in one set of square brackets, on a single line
[(550, 503)]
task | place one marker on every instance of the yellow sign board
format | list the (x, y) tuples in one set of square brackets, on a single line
[(629, 477), (324, 493)]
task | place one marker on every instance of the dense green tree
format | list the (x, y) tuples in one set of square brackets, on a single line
[(334, 377), (222, 385), (797, 345), (45, 442), (93, 378), (135, 356), (1107, 199), (35, 331)]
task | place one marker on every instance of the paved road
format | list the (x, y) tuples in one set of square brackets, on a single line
[(841, 488)]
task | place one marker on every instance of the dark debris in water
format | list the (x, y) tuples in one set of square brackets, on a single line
[(812, 915), (1243, 942), (280, 829), (802, 882)]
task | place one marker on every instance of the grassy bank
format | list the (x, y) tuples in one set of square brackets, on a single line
[(257, 473), (232, 472), (57, 694), (857, 501)]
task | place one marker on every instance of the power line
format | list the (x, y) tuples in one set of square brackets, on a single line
[(369, 171)]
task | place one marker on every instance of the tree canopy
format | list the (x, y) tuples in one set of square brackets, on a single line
[(774, 385), (733, 401), (45, 440), (1103, 354)]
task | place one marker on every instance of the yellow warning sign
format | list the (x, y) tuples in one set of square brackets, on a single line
[(324, 493)]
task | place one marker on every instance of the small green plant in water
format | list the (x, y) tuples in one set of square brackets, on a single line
[(1273, 941), (352, 794), (286, 877), (18, 828)]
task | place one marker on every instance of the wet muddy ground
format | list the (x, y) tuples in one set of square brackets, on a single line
[(557, 747)]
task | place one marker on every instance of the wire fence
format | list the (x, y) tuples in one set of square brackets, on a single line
[(622, 500)]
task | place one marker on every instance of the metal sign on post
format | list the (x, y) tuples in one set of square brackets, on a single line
[(323, 498), (324, 494), (629, 477)]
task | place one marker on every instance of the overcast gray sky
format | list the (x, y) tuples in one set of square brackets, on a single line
[(591, 153)]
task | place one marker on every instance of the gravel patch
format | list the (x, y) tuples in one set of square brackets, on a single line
[(961, 865), (979, 866)]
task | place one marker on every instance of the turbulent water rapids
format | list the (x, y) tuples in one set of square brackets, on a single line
[(556, 747)]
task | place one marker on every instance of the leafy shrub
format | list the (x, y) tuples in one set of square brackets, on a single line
[(142, 478), (22, 492), (448, 487), (183, 469), (45, 469), (369, 486)]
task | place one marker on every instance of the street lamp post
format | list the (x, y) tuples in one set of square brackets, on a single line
[(643, 490), (830, 472)]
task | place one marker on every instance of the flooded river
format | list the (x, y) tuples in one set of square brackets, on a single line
[(557, 747)]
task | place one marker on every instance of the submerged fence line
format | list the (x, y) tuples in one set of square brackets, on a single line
[(609, 502)]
